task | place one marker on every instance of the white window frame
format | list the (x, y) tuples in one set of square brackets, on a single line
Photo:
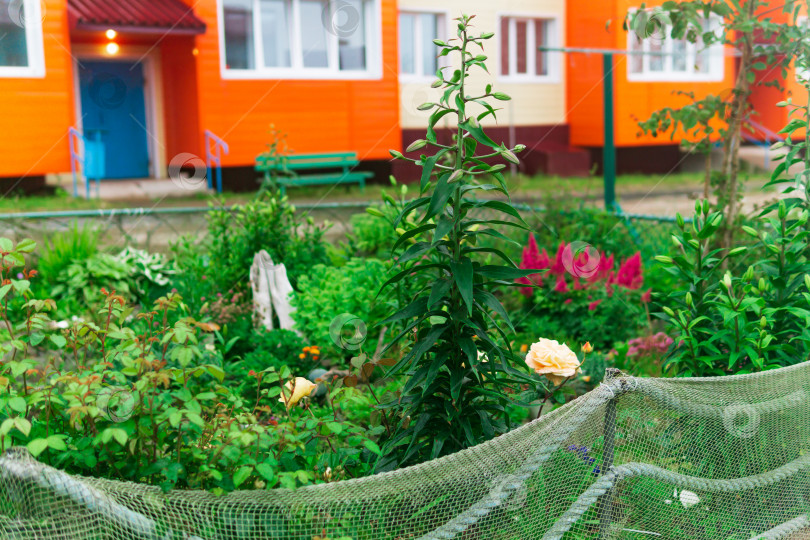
[(373, 40), (554, 27), (716, 59), (445, 32), (34, 45)]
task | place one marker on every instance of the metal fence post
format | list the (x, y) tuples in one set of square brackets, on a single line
[(608, 455)]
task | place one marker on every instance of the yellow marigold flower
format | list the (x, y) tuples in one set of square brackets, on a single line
[(302, 356), (306, 349), (524, 348)]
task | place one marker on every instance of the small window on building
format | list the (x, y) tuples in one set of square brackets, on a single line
[(21, 39), (520, 42), (654, 55), (298, 38), (418, 55)]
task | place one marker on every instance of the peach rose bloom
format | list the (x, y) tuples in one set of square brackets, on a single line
[(296, 390), (554, 360)]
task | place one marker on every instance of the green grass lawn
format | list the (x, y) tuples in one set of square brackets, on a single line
[(521, 187)]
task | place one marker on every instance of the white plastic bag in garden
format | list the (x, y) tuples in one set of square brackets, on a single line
[(271, 291)]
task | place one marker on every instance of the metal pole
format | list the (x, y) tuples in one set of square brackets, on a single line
[(609, 147)]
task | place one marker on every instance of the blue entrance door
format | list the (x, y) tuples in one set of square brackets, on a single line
[(114, 118)]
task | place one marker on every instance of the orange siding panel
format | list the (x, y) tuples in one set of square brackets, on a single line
[(600, 25), (180, 108), (317, 115), (35, 113)]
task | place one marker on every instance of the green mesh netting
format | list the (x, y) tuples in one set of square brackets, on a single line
[(636, 458)]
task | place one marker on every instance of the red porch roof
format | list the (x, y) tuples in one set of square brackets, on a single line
[(135, 15)]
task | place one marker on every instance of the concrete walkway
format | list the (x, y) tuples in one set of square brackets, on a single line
[(138, 189)]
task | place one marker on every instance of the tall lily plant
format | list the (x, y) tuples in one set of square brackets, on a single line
[(455, 348)]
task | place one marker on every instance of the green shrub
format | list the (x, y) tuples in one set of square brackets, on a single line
[(270, 224), (271, 349), (331, 292), (142, 399), (66, 247), (726, 321), (372, 234)]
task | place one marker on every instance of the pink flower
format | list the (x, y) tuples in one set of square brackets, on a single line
[(592, 306), (558, 268), (561, 286), (603, 270), (532, 259), (568, 301), (629, 274), (647, 296)]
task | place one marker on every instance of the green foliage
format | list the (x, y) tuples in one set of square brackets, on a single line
[(63, 248), (574, 317), (135, 274), (763, 46), (371, 235), (328, 293), (453, 399), (727, 323), (83, 279), (268, 223), (150, 271), (140, 397), (272, 348), (277, 152)]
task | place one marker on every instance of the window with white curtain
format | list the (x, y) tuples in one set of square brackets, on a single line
[(21, 50), (418, 55), (300, 38), (520, 40), (660, 57)]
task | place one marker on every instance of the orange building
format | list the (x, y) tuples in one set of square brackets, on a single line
[(643, 83), (143, 80)]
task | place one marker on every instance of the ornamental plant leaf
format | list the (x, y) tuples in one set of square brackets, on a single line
[(452, 398)]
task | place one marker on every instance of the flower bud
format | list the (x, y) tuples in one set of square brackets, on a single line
[(689, 299), (727, 280), (416, 145), (749, 274), (763, 322), (679, 220), (587, 347)]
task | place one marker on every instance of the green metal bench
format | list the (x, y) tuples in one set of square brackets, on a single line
[(288, 169)]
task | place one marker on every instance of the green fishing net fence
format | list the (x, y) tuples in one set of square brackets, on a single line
[(635, 458)]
